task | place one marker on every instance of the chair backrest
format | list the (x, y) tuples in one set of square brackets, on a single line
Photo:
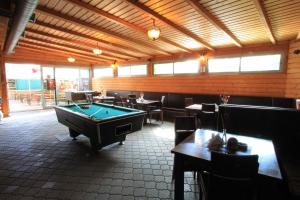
[(208, 107), (185, 123), (162, 99), (188, 101), (232, 176), (131, 96), (89, 97)]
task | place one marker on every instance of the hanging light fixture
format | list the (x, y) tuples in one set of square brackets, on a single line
[(71, 59), (97, 51), (154, 32)]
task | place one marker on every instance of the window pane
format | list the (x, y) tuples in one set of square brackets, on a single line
[(124, 71), (261, 63), (138, 70), (186, 67), (103, 72), (223, 65), (163, 68), (84, 73)]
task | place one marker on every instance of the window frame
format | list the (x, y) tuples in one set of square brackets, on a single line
[(130, 75), (281, 68), (99, 67), (173, 65)]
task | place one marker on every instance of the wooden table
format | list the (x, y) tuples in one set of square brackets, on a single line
[(194, 148), (195, 108), (144, 105), (103, 98)]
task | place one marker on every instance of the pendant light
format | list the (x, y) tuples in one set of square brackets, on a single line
[(154, 32)]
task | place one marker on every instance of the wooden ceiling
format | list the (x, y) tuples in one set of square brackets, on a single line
[(119, 27)]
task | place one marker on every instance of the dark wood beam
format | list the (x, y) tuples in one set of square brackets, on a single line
[(265, 19), (153, 14), (71, 41), (83, 36), (213, 20), (122, 22), (75, 21), (47, 41)]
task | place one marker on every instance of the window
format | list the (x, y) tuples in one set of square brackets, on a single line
[(186, 67), (224, 64), (103, 72), (163, 68), (138, 70), (261, 63), (132, 70), (183, 67), (124, 71), (256, 63)]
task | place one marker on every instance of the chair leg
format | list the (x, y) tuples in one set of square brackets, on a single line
[(162, 117)]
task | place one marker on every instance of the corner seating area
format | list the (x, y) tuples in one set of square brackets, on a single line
[(263, 117)]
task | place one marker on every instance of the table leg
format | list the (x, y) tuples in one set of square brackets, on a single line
[(179, 177)]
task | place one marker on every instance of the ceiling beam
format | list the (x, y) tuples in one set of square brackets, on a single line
[(169, 23), (48, 41), (122, 22), (298, 36), (213, 20), (71, 41), (62, 56), (72, 20), (265, 19), (83, 36), (63, 50)]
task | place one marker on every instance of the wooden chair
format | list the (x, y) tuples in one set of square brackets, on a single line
[(157, 110), (208, 116), (184, 127), (132, 100), (230, 177), (89, 97)]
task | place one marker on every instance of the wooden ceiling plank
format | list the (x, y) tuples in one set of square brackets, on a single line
[(75, 21), (122, 22), (83, 50), (72, 41), (56, 28), (63, 56), (60, 50), (213, 20), (265, 19), (169, 23)]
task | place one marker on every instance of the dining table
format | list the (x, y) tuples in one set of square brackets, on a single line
[(194, 149)]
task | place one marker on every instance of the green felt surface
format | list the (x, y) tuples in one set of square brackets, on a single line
[(102, 111)]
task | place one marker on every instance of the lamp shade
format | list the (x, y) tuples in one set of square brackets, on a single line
[(71, 59), (154, 33), (97, 51)]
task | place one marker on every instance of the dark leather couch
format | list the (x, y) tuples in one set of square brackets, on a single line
[(174, 102), (282, 125)]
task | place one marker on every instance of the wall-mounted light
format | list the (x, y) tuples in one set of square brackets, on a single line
[(203, 62), (114, 65), (154, 32), (71, 59)]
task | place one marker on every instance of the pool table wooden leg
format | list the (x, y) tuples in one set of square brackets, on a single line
[(122, 140), (73, 133)]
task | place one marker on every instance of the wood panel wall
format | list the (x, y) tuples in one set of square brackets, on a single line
[(285, 84)]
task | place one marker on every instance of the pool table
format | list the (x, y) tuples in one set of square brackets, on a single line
[(103, 124)]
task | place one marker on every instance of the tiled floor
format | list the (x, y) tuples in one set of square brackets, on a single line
[(38, 160)]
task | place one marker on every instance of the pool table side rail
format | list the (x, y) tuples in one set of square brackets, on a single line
[(134, 112)]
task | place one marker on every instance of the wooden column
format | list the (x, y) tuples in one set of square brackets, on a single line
[(5, 108), (150, 68)]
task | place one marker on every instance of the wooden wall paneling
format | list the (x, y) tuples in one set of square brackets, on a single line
[(251, 84)]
